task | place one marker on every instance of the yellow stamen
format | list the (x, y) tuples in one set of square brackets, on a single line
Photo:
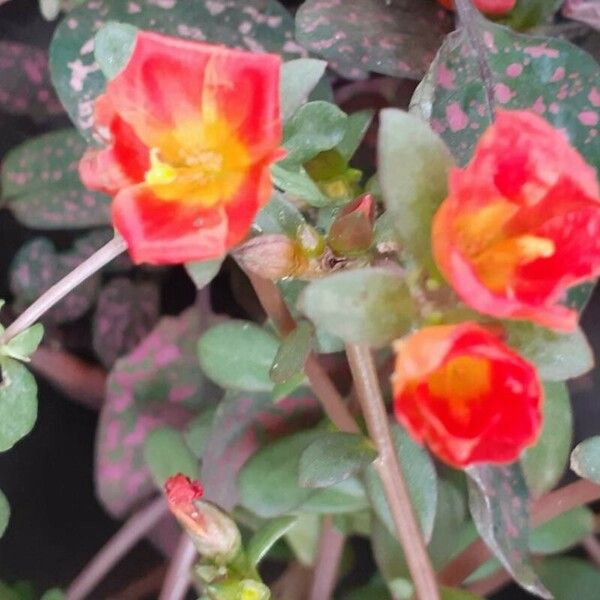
[(160, 173), (531, 247)]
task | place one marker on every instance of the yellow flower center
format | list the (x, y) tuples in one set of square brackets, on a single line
[(495, 256), (461, 381), (202, 162)]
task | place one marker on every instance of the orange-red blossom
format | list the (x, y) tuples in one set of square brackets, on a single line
[(466, 395), (191, 130), (521, 223)]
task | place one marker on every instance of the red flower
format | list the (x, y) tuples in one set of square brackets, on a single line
[(461, 391), (490, 7), (192, 131), (521, 223)]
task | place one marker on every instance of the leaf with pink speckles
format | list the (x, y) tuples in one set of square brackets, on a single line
[(41, 185), (25, 87), (37, 265), (242, 424), (549, 76), (397, 38), (258, 25), (158, 383), (125, 313), (498, 501)]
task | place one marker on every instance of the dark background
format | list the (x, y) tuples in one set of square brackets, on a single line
[(57, 525)]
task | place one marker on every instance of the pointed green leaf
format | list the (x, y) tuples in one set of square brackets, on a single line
[(279, 216), (167, 454), (264, 539), (585, 459), (239, 355), (296, 182), (23, 345), (557, 356), (298, 79), (203, 272), (413, 171), (498, 501), (334, 457), (369, 305), (291, 355), (356, 128), (18, 403), (544, 463)]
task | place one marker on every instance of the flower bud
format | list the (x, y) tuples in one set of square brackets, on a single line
[(310, 240), (272, 256), (352, 231), (333, 176), (215, 535)]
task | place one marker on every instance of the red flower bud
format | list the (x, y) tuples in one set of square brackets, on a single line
[(520, 224), (490, 7), (470, 398), (352, 231), (214, 534)]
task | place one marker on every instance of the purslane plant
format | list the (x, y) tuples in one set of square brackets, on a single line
[(445, 289)]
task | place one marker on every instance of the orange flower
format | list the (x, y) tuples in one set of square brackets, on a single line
[(461, 391), (490, 7), (191, 130), (521, 223)]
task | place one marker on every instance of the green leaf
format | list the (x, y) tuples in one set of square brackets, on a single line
[(198, 431), (315, 127), (239, 355), (544, 463), (413, 172), (394, 38), (296, 182), (18, 403), (281, 390), (41, 184), (347, 496), (369, 305), (421, 479), (570, 578), (279, 216), (334, 457), (203, 272), (357, 126), (557, 356), (53, 594), (303, 538), (264, 539), (292, 353), (498, 501), (4, 513), (257, 24), (585, 459), (298, 79), (113, 46), (549, 75), (563, 532), (388, 553), (167, 454), (450, 518), (24, 344), (456, 594), (269, 480), (529, 13)]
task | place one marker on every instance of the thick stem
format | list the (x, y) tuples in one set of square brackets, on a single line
[(133, 530), (469, 19), (545, 509), (276, 309), (177, 580), (390, 472), (329, 553), (59, 290)]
